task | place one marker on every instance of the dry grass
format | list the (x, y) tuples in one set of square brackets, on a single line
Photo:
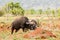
[(5, 32)]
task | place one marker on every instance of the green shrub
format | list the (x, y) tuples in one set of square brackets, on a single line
[(1, 13)]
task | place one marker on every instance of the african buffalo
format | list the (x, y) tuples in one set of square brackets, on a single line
[(19, 23), (23, 23)]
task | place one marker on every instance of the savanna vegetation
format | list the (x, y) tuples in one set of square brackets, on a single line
[(48, 19)]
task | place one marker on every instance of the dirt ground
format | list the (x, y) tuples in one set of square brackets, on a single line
[(52, 26)]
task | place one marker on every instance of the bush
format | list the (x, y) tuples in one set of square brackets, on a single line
[(1, 13)]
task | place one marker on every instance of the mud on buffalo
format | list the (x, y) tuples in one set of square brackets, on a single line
[(22, 23)]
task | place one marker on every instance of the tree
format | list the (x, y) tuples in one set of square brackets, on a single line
[(40, 11), (32, 11), (58, 12), (1, 12), (15, 8), (53, 12)]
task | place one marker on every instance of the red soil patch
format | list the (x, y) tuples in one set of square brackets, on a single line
[(41, 32), (4, 27)]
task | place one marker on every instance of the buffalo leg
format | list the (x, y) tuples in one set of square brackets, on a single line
[(17, 29), (12, 30), (23, 29)]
